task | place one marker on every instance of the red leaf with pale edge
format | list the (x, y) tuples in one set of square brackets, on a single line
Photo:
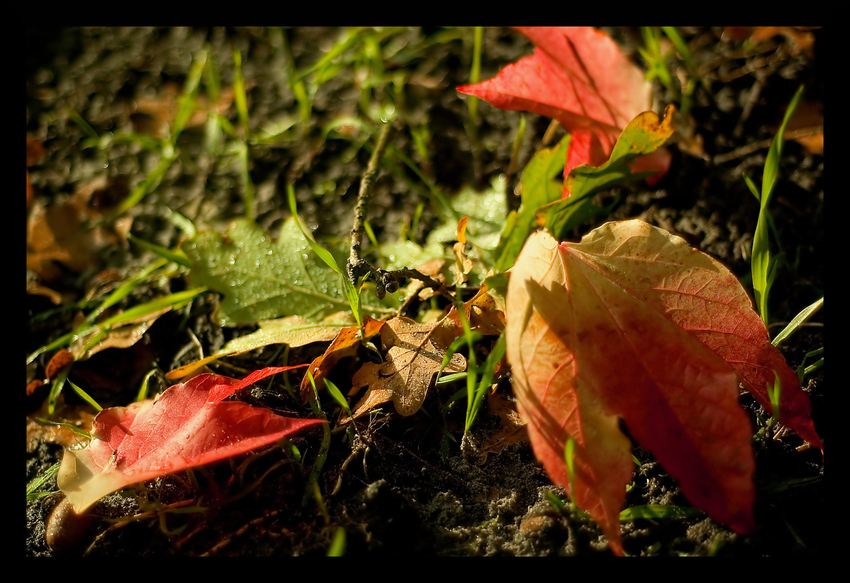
[(578, 76), (188, 425), (632, 323)]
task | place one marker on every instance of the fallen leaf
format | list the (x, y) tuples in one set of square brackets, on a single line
[(293, 331), (483, 312), (70, 415), (60, 359), (56, 233), (261, 280), (800, 37), (153, 115), (35, 151), (806, 126), (578, 76), (345, 344), (512, 429), (633, 324), (188, 425), (642, 136), (414, 354), (538, 188), (463, 264), (121, 335)]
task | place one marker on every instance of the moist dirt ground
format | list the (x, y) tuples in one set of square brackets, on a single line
[(397, 485)]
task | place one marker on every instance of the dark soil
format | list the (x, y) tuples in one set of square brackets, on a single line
[(401, 486)]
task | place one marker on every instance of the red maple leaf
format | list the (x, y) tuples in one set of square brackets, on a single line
[(578, 76), (632, 324), (188, 425)]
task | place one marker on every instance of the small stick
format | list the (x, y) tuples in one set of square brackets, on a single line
[(356, 266)]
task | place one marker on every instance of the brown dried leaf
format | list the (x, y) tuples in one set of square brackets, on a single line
[(123, 335), (57, 362), (153, 115), (77, 415), (57, 233), (806, 126), (513, 428), (415, 353)]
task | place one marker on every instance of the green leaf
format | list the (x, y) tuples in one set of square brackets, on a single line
[(538, 189), (405, 254), (486, 211), (261, 280), (642, 136), (292, 331), (352, 295)]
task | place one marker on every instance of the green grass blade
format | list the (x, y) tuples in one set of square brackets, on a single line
[(351, 293), (475, 73), (187, 97), (149, 183), (239, 92), (486, 381), (771, 164), (175, 300), (144, 386), (245, 174), (338, 396), (56, 388), (177, 256), (88, 324), (323, 253), (763, 266), (41, 479), (337, 548), (797, 321), (85, 396), (569, 459), (181, 222)]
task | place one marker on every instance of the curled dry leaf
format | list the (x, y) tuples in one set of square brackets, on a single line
[(414, 354), (345, 344), (188, 425), (123, 335), (633, 324)]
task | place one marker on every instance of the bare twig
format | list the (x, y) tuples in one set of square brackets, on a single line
[(357, 267), (764, 144)]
